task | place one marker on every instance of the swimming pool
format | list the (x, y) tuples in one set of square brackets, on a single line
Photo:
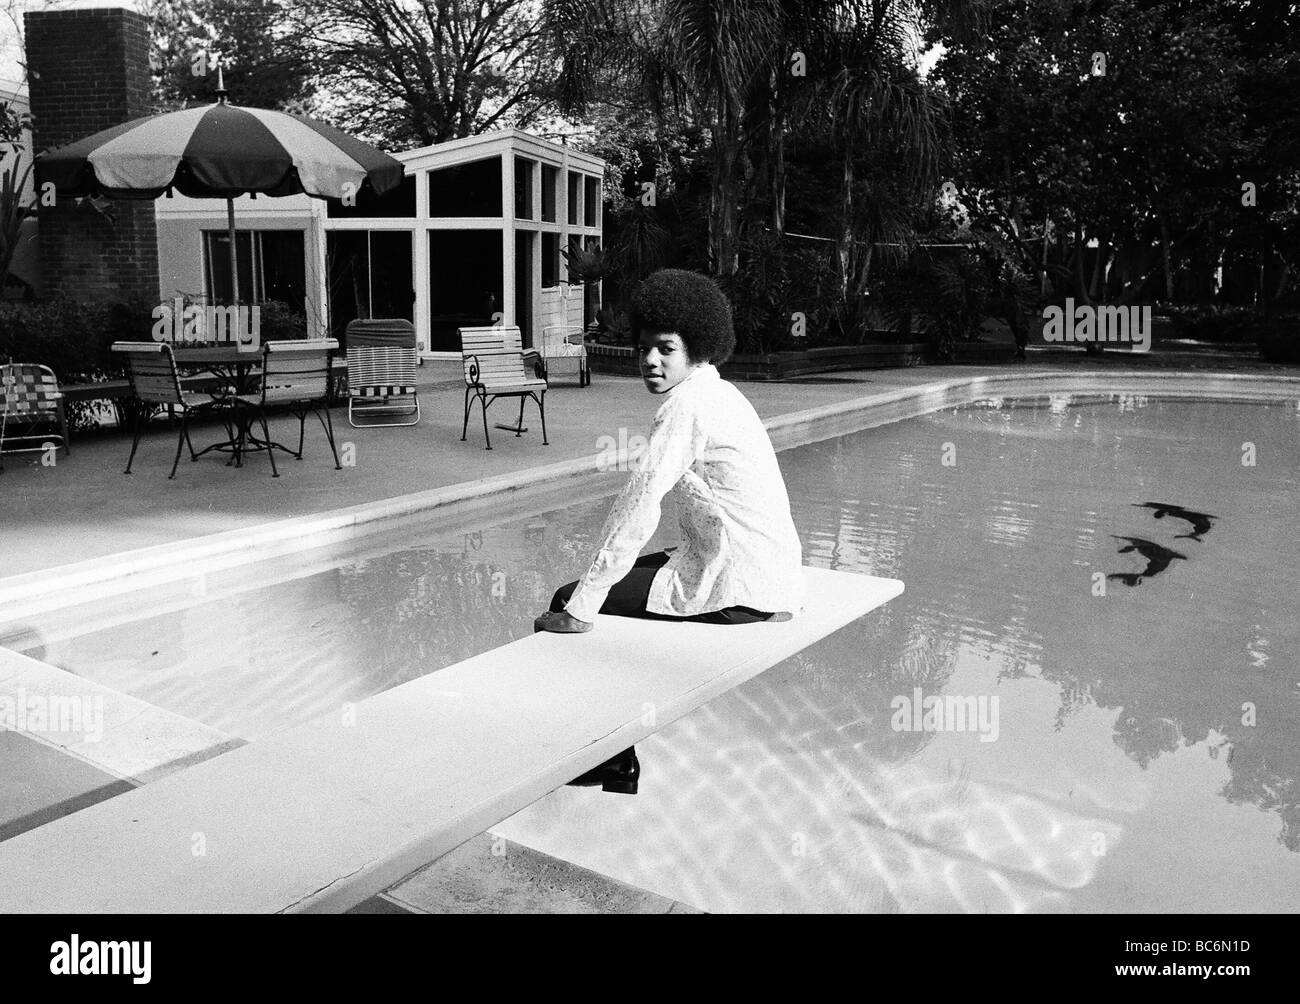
[(1122, 775)]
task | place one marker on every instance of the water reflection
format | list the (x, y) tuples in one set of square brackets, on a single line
[(1130, 719)]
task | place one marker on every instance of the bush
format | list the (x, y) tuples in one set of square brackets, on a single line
[(72, 338), (1278, 339), (1211, 322)]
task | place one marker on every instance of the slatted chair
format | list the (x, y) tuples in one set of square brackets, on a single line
[(381, 371), (296, 375), (493, 358), (156, 384), (29, 400)]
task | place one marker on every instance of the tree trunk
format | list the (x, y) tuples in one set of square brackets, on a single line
[(845, 249), (1164, 248)]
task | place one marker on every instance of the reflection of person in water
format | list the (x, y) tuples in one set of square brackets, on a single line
[(1200, 521), (740, 558), (1158, 558)]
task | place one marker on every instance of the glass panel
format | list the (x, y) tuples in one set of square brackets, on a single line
[(465, 288), (591, 202), (391, 291), (575, 194), (283, 275), (472, 189), (550, 260), (216, 246), (524, 188), (550, 178), (400, 202), (348, 268)]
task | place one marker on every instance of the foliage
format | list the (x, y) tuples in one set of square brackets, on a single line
[(13, 180), (405, 73), (586, 264), (73, 339), (1135, 167), (781, 294), (262, 52), (942, 293), (1210, 322)]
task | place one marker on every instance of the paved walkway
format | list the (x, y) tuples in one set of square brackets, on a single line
[(85, 507)]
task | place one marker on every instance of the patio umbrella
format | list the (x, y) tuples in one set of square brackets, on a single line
[(219, 151)]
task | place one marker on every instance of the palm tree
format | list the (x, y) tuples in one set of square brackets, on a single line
[(700, 56)]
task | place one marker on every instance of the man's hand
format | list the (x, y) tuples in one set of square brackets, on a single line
[(562, 622)]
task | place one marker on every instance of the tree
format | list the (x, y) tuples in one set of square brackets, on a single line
[(258, 44), (417, 72)]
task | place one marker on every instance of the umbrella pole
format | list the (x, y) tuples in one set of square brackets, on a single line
[(234, 266)]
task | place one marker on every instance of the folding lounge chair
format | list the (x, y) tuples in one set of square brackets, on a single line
[(30, 399), (493, 358), (381, 371)]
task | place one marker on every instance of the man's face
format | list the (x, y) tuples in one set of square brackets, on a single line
[(664, 363)]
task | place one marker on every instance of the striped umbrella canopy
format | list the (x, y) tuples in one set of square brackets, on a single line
[(220, 151)]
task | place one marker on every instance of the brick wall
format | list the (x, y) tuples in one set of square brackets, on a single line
[(89, 70)]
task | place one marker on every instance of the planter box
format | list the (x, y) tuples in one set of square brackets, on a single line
[(617, 359)]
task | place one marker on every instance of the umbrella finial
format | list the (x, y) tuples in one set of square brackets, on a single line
[(221, 86)]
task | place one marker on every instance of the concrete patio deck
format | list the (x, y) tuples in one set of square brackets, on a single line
[(85, 507)]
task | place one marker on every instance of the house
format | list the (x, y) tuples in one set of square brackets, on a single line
[(472, 237)]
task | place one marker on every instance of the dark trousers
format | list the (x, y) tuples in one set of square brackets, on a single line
[(628, 596)]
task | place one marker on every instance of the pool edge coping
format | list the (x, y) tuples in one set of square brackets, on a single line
[(157, 563)]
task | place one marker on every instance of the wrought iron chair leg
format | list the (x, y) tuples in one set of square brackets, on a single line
[(328, 423), (185, 427), (465, 425), (541, 407), (135, 442), (270, 449), (180, 444), (486, 434), (302, 431)]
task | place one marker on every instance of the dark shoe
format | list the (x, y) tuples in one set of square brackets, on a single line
[(618, 774)]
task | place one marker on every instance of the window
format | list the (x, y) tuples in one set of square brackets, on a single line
[(465, 287), (369, 276), (575, 244), (575, 195), (591, 203), (550, 178), (550, 260), (400, 202), (472, 189), (524, 188), (271, 266)]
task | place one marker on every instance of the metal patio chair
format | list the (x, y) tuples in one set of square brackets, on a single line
[(30, 399), (382, 357), (156, 384), (493, 358), (563, 343), (295, 374)]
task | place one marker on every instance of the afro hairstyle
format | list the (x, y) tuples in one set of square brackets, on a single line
[(690, 304)]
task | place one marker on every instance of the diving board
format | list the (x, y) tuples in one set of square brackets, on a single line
[(324, 815)]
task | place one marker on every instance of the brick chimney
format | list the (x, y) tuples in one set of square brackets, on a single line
[(88, 70)]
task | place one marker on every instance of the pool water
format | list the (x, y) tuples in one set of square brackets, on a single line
[(1140, 745)]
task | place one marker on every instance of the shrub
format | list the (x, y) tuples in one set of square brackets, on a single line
[(1211, 322), (72, 338)]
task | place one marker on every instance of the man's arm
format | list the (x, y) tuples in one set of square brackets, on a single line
[(676, 440)]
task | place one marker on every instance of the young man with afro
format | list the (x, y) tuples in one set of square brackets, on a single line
[(740, 558)]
